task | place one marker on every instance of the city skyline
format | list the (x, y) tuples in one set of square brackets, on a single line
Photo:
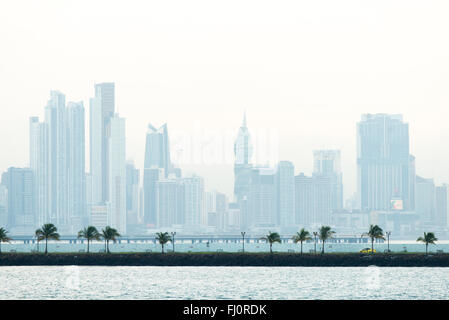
[(324, 67), (57, 188), (205, 169)]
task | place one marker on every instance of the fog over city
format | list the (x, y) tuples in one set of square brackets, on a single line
[(302, 72), (305, 69)]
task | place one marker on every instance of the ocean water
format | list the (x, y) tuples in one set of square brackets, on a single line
[(73, 282), (225, 247)]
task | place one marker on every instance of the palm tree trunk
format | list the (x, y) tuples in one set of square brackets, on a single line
[(87, 245), (426, 247), (162, 248), (271, 249), (301, 247), (372, 245), (46, 241), (0, 247), (322, 249), (107, 246)]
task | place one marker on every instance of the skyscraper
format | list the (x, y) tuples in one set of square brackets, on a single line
[(327, 166), (102, 109), (384, 162), (132, 194), (56, 119), (157, 149), (243, 151), (193, 188), (40, 165), (285, 181), (76, 167), (117, 174), (57, 160), (21, 202), (262, 198), (304, 200), (157, 165), (442, 206), (425, 200)]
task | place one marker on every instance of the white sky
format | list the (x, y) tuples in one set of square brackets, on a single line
[(305, 70)]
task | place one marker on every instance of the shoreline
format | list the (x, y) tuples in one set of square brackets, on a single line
[(224, 259)]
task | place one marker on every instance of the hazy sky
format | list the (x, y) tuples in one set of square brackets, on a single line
[(304, 71)]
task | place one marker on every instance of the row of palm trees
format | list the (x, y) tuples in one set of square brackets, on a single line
[(49, 232), (326, 232)]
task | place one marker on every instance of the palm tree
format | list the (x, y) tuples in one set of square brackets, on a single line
[(375, 232), (47, 232), (271, 238), (3, 237), (163, 238), (301, 236), (325, 233), (109, 234), (89, 233), (428, 238)]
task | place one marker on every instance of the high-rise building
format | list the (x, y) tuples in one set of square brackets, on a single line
[(102, 110), (132, 194), (327, 163), (243, 151), (285, 181), (442, 206), (262, 198), (425, 200), (40, 165), (150, 178), (157, 149), (56, 120), (193, 188), (384, 163), (76, 167), (21, 203), (157, 165), (304, 200), (117, 174), (57, 160), (169, 202)]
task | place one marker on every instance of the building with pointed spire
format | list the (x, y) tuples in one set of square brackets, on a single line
[(243, 151)]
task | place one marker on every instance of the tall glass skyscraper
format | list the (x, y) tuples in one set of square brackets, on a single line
[(76, 167), (157, 165), (385, 168), (102, 108), (117, 174), (57, 160)]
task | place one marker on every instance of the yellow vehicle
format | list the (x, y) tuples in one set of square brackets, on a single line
[(368, 250)]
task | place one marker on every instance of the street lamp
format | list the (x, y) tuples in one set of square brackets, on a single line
[(173, 234), (388, 233), (315, 234), (243, 236)]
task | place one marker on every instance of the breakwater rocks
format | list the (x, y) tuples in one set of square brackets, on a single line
[(226, 259)]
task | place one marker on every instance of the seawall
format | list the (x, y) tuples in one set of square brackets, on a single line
[(226, 259)]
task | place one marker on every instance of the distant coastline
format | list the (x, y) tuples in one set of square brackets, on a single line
[(227, 259)]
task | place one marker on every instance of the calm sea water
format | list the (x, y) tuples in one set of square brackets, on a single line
[(72, 282)]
